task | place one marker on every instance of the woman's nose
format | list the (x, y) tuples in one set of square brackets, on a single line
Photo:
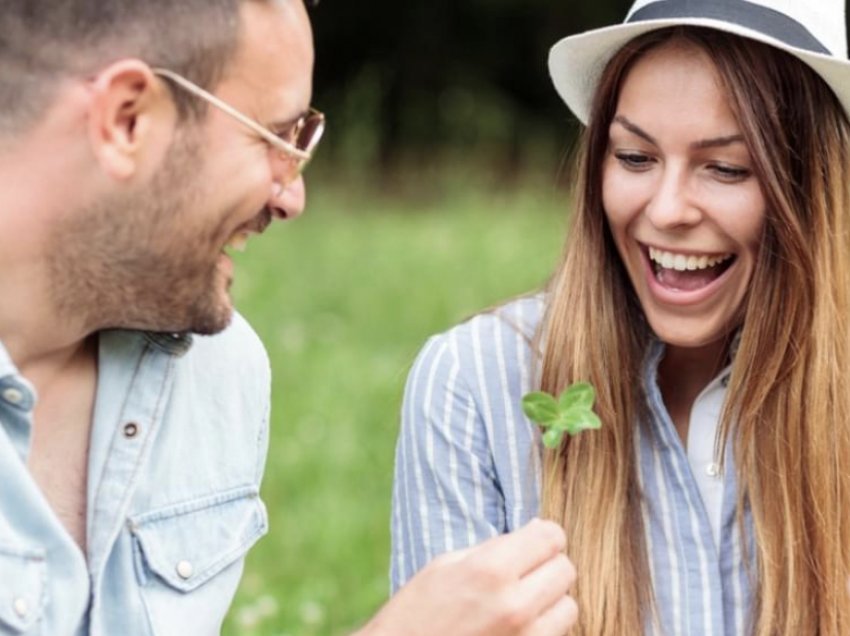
[(670, 205)]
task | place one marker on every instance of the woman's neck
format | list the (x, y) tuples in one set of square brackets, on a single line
[(683, 373)]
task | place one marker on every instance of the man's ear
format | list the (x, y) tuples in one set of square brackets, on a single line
[(130, 116)]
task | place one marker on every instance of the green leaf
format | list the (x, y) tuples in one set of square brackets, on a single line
[(571, 413), (562, 422), (540, 407), (583, 421), (552, 438), (577, 396)]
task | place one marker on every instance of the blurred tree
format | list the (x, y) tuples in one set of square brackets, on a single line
[(402, 79)]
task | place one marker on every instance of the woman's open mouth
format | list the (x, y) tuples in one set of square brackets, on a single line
[(683, 272)]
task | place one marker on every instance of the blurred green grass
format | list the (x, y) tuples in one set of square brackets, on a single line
[(343, 298)]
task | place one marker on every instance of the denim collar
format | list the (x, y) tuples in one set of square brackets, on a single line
[(175, 344), (7, 367)]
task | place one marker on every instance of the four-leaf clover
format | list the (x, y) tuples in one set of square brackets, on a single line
[(570, 413)]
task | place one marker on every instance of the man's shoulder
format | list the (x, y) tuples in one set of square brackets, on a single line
[(231, 361), (237, 347)]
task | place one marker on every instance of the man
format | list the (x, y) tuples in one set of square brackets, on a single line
[(130, 451)]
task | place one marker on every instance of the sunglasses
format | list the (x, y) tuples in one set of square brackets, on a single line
[(296, 144)]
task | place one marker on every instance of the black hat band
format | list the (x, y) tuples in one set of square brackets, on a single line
[(746, 14)]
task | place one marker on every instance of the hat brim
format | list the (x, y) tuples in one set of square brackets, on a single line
[(576, 62)]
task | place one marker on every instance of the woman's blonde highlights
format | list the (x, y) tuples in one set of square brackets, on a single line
[(787, 402)]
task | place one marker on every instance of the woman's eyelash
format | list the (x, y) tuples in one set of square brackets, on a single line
[(633, 159), (641, 161), (730, 173)]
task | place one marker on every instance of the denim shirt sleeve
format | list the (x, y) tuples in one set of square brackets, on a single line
[(177, 452)]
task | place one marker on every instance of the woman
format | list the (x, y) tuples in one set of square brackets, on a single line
[(703, 291)]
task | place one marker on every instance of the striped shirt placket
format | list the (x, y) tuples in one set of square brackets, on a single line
[(692, 512)]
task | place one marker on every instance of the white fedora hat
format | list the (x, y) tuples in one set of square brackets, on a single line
[(811, 30)]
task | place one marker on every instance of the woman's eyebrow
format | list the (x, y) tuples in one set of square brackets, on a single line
[(714, 142), (718, 141), (636, 130)]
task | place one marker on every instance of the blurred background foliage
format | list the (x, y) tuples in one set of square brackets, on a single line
[(343, 298), (407, 83), (439, 189)]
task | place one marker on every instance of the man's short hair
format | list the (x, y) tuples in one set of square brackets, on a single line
[(44, 41)]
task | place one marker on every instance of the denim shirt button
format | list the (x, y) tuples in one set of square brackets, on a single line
[(21, 607), (13, 395), (185, 569)]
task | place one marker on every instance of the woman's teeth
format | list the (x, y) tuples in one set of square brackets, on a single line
[(681, 262)]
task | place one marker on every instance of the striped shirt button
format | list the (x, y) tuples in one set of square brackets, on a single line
[(712, 469)]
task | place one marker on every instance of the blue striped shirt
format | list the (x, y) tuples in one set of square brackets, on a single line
[(468, 467)]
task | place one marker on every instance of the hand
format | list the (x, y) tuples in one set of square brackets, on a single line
[(512, 585)]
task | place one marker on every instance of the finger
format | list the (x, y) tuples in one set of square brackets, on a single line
[(524, 550), (557, 620), (546, 586), (454, 556)]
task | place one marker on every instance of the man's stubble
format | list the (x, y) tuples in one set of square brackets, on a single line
[(145, 259)]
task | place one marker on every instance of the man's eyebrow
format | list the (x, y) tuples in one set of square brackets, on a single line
[(714, 142), (286, 124)]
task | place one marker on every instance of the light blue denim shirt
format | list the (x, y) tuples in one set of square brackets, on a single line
[(177, 450), (468, 467)]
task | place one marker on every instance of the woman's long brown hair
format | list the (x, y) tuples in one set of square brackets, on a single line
[(787, 414)]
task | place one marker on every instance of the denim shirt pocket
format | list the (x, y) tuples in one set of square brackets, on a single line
[(23, 586), (187, 544)]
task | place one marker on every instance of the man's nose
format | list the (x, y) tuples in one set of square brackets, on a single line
[(288, 202)]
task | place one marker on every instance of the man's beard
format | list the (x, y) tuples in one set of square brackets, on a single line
[(143, 259)]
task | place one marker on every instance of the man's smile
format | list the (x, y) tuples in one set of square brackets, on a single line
[(257, 225)]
